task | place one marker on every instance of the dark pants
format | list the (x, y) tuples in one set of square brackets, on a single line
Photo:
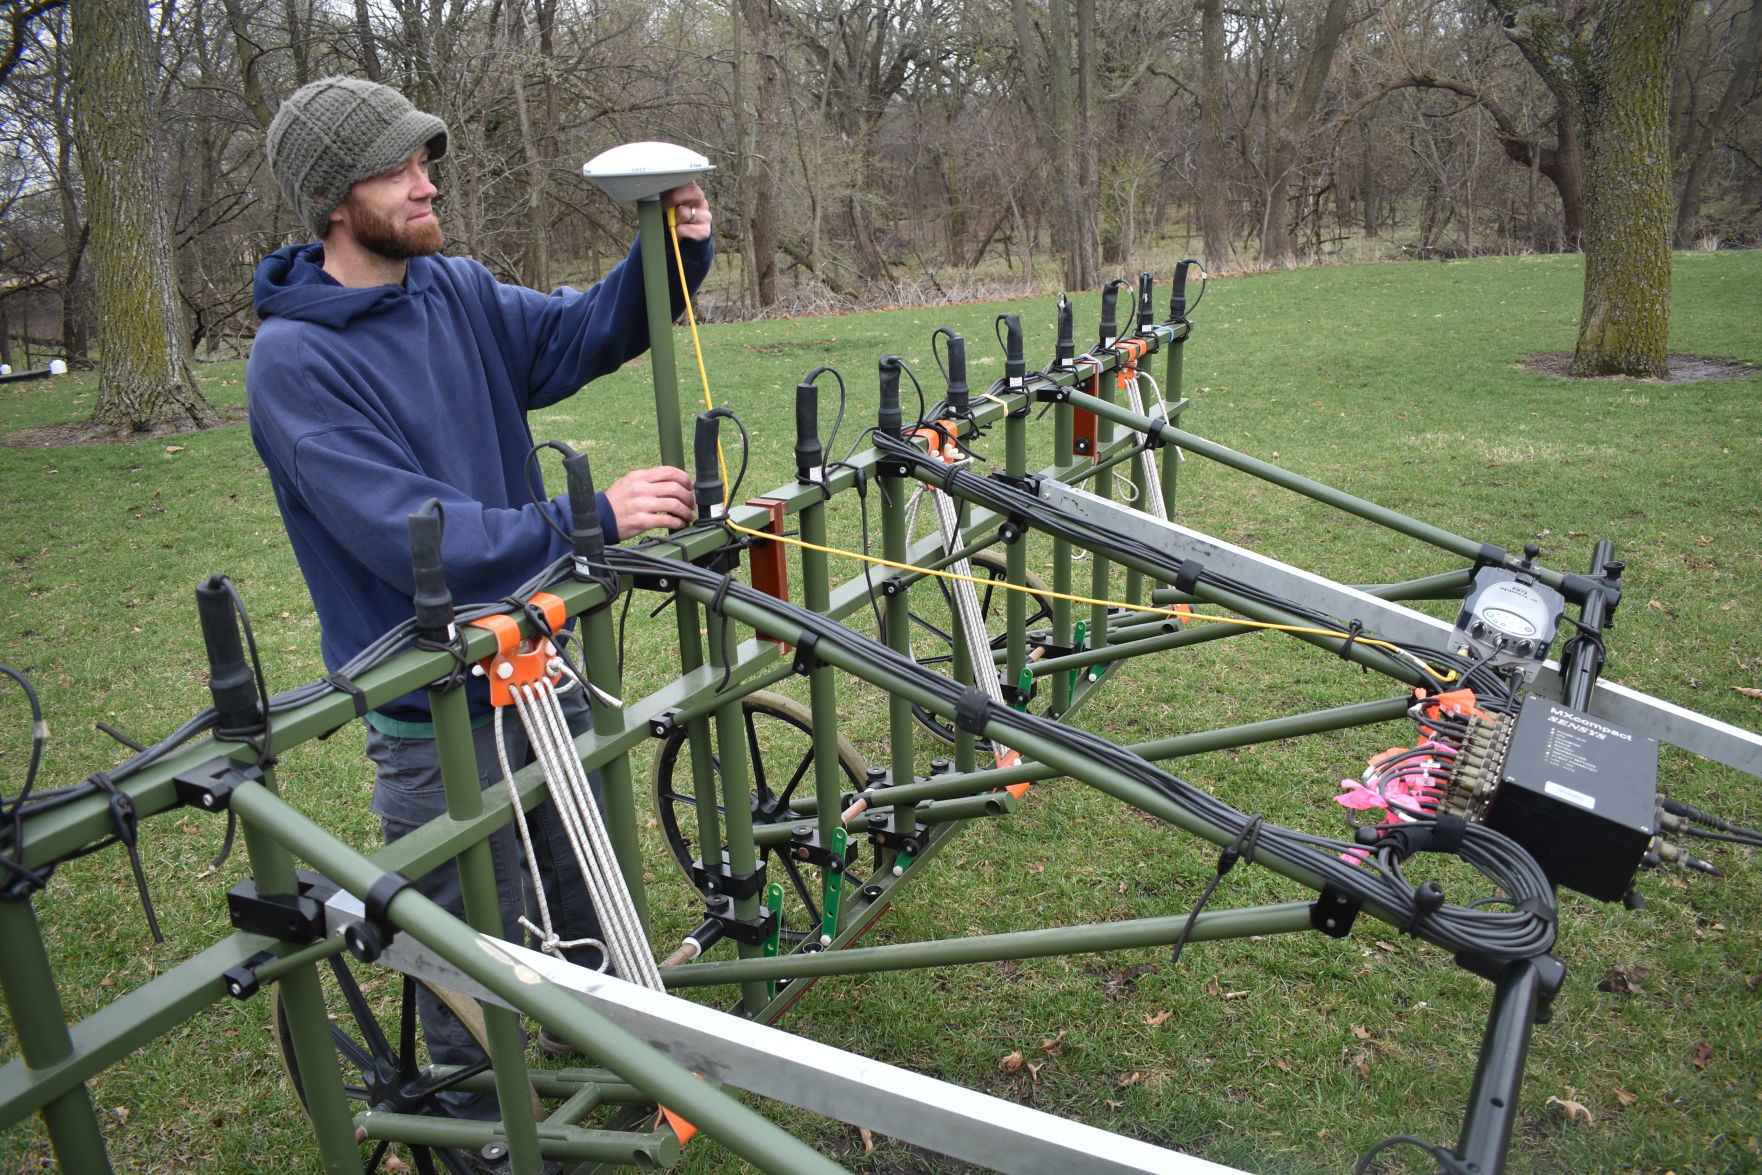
[(407, 794)]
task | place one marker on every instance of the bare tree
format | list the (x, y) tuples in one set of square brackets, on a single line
[(144, 373), (1613, 71)]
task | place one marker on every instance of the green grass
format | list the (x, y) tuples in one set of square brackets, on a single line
[(1395, 382)]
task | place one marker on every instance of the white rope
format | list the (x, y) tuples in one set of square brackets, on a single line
[(1147, 458), (966, 601), (546, 935), (572, 794)]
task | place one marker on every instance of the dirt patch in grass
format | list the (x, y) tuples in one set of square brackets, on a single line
[(1683, 368), (55, 436)]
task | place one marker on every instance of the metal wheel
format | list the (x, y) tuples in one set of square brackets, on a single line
[(933, 624), (779, 746), (391, 1079)]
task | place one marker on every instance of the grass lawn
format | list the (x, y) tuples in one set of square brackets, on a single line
[(1396, 382)]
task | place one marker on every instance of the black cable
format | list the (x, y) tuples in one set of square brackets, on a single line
[(1520, 933), (1446, 1160), (1241, 849)]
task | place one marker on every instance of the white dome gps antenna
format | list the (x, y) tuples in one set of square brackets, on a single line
[(642, 171), (638, 173)]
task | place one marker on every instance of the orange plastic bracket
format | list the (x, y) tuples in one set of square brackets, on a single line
[(519, 661)]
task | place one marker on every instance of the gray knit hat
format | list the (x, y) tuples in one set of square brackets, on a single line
[(332, 133)]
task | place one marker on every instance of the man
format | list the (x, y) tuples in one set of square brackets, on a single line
[(385, 374)]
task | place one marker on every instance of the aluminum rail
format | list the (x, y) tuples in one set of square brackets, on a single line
[(1637, 711), (995, 1134)]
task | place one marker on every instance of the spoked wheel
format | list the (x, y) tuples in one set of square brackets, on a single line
[(933, 622), (390, 1078), (780, 752)]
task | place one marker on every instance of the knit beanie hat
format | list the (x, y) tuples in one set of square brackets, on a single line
[(332, 133)]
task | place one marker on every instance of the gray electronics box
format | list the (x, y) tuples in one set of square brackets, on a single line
[(1581, 795)]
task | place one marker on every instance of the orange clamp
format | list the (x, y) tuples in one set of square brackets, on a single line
[(519, 661)]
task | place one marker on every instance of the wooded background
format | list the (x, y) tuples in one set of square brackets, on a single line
[(867, 151)]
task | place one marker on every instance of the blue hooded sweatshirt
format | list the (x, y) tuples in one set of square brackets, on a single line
[(365, 403)]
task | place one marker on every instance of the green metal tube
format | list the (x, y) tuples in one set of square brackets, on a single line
[(460, 781), (897, 610), (746, 1133), (946, 811), (598, 636), (647, 1151), (736, 800), (822, 688), (307, 1017), (1015, 434), (1100, 568), (657, 290), (40, 1022), (1211, 925), (942, 787), (1172, 395), (1352, 504), (1063, 441)]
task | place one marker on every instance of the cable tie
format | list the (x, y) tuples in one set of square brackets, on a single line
[(1187, 576), (806, 660), (1353, 632), (1428, 899), (342, 683), (972, 711)]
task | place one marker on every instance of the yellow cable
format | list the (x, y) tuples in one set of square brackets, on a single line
[(1183, 613), (1179, 611), (697, 346)]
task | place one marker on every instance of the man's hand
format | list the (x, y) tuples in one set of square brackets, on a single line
[(646, 498), (693, 217)]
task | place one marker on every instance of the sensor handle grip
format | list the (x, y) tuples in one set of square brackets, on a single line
[(230, 680), (432, 598)]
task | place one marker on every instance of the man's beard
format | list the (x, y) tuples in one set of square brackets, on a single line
[(395, 240)]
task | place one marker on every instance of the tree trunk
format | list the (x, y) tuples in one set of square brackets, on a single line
[(761, 22), (1624, 112), (1284, 132), (1214, 213), (1698, 145), (144, 374)]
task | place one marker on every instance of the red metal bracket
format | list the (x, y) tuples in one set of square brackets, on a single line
[(768, 568)]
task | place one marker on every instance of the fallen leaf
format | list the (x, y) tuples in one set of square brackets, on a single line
[(1120, 984), (1211, 986), (1702, 1053), (1387, 946), (1361, 1032), (1748, 691), (1012, 1062), (1361, 1062), (1282, 1063), (868, 1140), (1054, 1044), (1158, 1019), (1626, 1098), (1037, 867), (394, 1165), (121, 1115), (174, 448), (1571, 1109)]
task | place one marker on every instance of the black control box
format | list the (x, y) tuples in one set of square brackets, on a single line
[(1580, 794)]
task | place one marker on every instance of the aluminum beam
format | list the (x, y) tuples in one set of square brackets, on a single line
[(996, 1135), (1639, 712)]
